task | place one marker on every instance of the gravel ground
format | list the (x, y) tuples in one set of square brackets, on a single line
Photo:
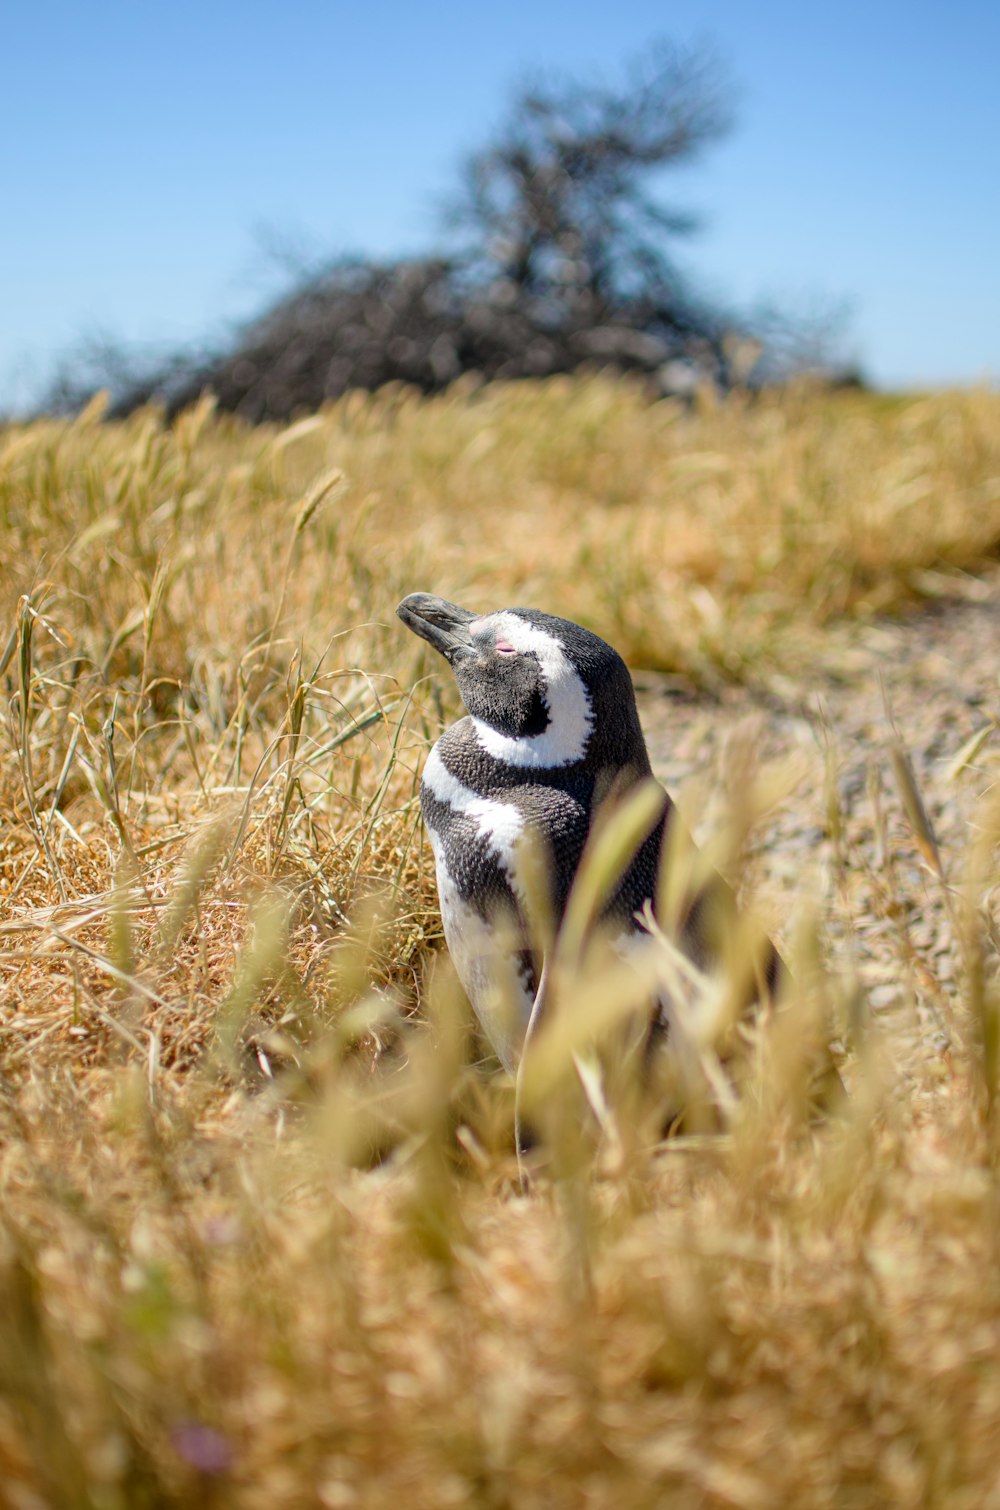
[(886, 917)]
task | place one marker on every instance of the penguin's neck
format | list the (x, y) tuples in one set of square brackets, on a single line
[(475, 764)]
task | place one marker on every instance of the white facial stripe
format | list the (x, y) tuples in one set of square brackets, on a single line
[(499, 823), (571, 716)]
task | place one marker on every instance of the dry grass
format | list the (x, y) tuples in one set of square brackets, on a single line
[(217, 1000)]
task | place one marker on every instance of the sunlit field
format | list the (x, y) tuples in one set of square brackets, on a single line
[(262, 1238)]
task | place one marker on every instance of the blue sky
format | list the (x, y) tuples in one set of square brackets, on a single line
[(146, 147)]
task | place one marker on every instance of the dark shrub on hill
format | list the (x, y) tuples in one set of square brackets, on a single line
[(560, 260), (361, 325)]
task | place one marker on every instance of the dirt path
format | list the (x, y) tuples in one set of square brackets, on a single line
[(885, 910)]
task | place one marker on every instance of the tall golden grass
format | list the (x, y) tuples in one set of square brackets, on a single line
[(260, 1237)]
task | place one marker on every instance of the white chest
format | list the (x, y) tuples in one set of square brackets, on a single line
[(484, 941)]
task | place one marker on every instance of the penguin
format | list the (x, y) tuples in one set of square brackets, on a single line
[(551, 736)]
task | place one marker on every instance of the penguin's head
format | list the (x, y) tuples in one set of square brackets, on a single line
[(542, 692)]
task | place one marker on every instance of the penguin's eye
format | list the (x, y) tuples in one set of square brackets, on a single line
[(504, 647)]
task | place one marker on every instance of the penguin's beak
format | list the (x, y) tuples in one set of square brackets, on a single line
[(443, 625)]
